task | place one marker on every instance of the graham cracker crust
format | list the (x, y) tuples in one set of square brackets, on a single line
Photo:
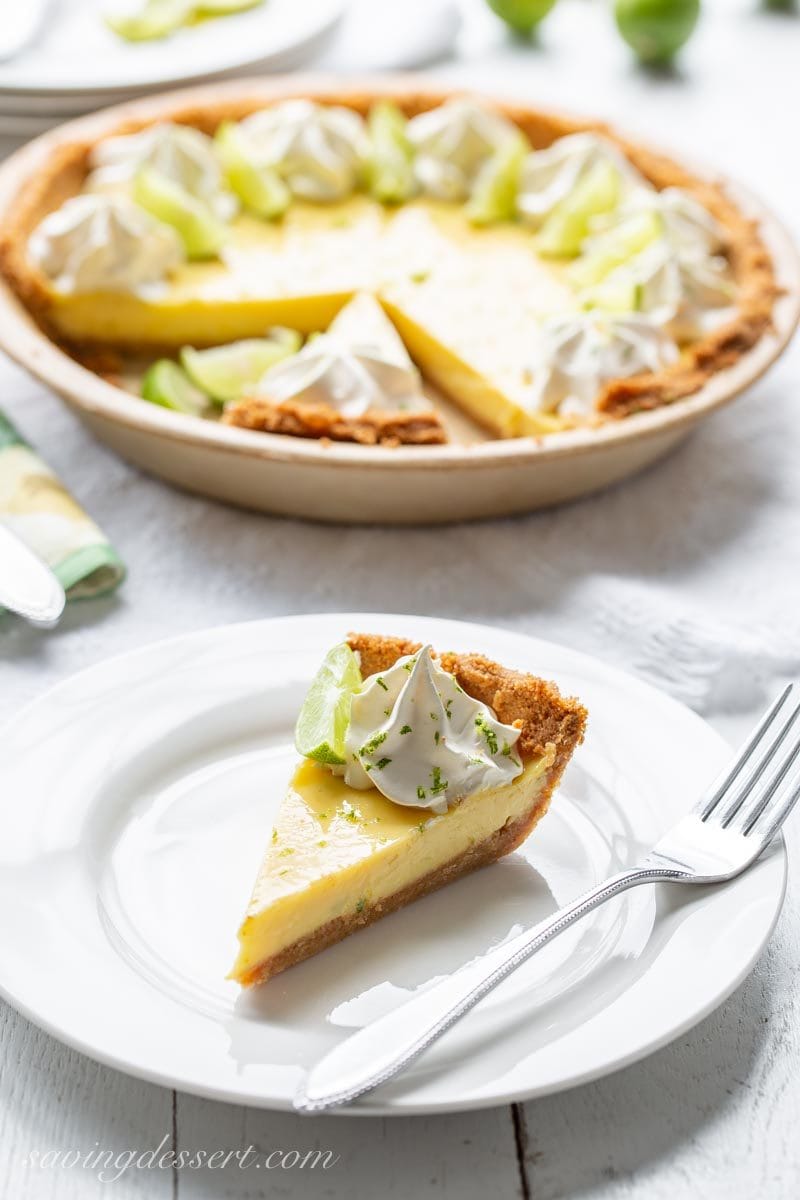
[(550, 725), (375, 428)]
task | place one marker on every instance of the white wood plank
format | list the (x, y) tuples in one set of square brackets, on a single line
[(465, 1157), (712, 1116), (53, 1099)]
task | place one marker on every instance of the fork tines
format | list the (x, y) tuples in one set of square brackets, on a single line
[(745, 793)]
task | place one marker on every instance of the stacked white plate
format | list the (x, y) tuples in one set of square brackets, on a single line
[(73, 63)]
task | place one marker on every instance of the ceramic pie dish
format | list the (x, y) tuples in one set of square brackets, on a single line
[(516, 458)]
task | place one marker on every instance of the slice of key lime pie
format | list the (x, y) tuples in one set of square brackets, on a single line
[(537, 272), (416, 769)]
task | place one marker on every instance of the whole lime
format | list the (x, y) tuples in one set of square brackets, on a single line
[(522, 15), (656, 29)]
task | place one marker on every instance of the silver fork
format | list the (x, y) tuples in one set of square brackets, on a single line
[(732, 823)]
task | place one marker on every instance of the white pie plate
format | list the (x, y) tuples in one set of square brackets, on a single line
[(136, 800), (340, 482)]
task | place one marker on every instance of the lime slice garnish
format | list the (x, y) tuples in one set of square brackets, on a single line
[(260, 189), (200, 231), (322, 724), (228, 372), (389, 166), (619, 294), (597, 192), (656, 29), (615, 247), (167, 384), (494, 194), (155, 19)]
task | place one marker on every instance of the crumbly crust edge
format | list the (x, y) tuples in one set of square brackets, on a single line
[(750, 260), (375, 427)]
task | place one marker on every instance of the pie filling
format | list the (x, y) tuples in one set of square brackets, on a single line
[(538, 281), (410, 778)]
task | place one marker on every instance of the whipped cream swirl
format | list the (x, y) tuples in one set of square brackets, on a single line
[(318, 149), (682, 279), (689, 227), (359, 364), (548, 176), (104, 243), (690, 295), (183, 155), (452, 142), (418, 738), (578, 353)]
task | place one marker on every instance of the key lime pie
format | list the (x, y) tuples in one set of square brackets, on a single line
[(416, 769), (346, 257)]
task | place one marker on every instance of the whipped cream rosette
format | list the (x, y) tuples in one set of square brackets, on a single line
[(317, 149), (548, 177), (452, 142), (183, 155), (578, 353), (680, 277), (358, 365), (98, 242), (418, 738)]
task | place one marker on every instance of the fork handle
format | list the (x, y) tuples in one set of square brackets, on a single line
[(382, 1049)]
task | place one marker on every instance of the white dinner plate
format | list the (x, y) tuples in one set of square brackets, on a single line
[(136, 800), (77, 52)]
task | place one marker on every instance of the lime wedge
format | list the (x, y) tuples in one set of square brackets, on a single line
[(228, 372), (322, 724), (597, 192), (494, 194), (619, 294), (615, 247), (200, 231), (389, 167), (155, 19), (260, 189), (167, 384)]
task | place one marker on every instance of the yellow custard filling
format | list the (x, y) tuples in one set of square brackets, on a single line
[(464, 299), (336, 850)]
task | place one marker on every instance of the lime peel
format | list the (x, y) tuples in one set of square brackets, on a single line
[(389, 167), (494, 193), (325, 716), (228, 372), (201, 233), (166, 383), (615, 247), (157, 19), (597, 192), (260, 189)]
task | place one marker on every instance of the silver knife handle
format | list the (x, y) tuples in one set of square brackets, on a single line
[(382, 1049)]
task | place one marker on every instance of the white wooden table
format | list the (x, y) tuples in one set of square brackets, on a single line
[(714, 1115)]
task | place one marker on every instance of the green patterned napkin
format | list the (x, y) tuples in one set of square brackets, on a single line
[(36, 506)]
